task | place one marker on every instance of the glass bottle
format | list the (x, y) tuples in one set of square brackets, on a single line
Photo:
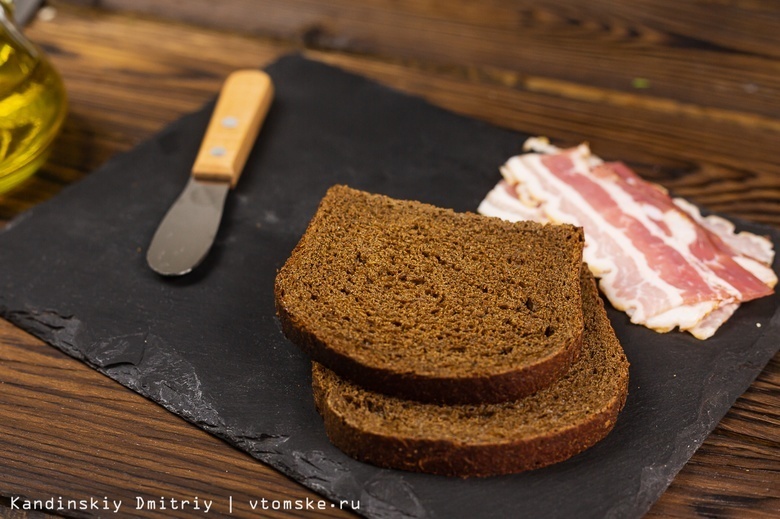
[(32, 103)]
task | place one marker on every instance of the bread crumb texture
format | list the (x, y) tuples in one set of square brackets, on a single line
[(414, 289)]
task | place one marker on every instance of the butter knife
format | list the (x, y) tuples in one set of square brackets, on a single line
[(187, 231)]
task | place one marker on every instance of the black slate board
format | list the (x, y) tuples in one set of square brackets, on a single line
[(208, 346)]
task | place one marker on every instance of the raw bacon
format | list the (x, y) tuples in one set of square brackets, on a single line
[(658, 258)]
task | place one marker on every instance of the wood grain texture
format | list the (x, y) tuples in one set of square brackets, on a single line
[(244, 99), (97, 454), (129, 75), (723, 165), (709, 73), (715, 53)]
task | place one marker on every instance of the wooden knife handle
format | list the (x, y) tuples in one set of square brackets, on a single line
[(234, 125)]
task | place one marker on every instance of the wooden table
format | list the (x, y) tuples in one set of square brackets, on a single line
[(688, 93)]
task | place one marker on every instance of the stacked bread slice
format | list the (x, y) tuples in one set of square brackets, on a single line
[(450, 343)]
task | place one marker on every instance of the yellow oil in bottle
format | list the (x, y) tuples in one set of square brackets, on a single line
[(32, 105)]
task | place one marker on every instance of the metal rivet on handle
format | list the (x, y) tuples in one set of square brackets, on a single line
[(217, 151), (229, 122)]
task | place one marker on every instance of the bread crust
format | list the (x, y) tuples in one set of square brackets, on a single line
[(495, 388), (448, 457)]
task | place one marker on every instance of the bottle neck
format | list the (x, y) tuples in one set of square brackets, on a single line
[(11, 34)]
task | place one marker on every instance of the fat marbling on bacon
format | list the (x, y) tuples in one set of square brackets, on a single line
[(657, 258)]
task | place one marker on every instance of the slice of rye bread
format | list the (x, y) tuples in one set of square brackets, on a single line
[(421, 302), (489, 439)]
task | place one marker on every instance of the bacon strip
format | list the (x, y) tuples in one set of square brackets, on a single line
[(658, 259)]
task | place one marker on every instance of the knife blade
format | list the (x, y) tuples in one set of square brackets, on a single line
[(187, 231)]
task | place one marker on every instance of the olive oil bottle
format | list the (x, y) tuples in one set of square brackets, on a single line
[(32, 104)]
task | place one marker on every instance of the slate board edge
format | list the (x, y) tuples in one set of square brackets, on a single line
[(645, 500), (48, 329)]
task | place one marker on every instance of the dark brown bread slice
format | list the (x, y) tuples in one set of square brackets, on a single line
[(421, 302), (490, 439)]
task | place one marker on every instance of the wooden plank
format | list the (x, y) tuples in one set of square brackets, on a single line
[(65, 434), (725, 164), (125, 80), (720, 159), (720, 53)]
